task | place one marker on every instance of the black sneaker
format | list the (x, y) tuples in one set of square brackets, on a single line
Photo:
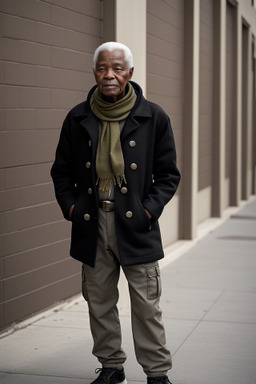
[(158, 380), (110, 376)]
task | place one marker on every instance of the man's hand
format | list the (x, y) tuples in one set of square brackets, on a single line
[(148, 213), (71, 209)]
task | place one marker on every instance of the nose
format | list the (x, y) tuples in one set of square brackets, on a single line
[(109, 74)]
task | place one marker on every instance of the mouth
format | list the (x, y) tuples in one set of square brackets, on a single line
[(109, 85)]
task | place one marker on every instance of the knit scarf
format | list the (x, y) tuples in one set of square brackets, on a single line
[(109, 157)]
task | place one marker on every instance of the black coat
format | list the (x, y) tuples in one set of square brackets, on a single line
[(147, 143)]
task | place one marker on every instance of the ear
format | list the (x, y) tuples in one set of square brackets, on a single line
[(131, 70)]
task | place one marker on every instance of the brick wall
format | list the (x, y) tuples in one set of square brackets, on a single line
[(45, 69)]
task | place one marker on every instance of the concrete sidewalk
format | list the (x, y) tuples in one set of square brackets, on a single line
[(209, 306)]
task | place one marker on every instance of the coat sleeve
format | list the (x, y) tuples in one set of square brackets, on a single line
[(166, 176), (62, 171)]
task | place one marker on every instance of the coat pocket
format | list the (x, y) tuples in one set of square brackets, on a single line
[(84, 287), (142, 222)]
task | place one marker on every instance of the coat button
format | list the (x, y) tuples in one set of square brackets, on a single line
[(90, 191), (133, 166), (87, 217), (124, 190), (132, 143), (129, 214), (89, 143), (88, 164)]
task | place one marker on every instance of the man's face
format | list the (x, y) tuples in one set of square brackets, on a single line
[(112, 74)]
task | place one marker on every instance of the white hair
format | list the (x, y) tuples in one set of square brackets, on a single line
[(111, 46)]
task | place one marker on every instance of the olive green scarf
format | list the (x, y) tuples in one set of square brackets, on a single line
[(109, 158)]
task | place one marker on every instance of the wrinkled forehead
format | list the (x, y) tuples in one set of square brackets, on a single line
[(114, 56)]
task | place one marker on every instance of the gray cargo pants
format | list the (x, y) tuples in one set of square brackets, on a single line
[(100, 290)]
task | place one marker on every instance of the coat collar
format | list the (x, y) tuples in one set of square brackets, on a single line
[(140, 109), (88, 120)]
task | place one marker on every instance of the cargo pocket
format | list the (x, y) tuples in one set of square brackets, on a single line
[(84, 288), (154, 282)]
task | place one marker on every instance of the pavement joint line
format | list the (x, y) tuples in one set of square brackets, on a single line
[(172, 253), (176, 250), (202, 319), (41, 375)]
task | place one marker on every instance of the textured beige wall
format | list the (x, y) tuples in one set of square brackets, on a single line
[(165, 84), (46, 68)]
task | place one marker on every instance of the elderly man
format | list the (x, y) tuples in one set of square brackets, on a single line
[(115, 170)]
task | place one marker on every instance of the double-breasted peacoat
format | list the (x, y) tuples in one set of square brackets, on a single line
[(151, 175)]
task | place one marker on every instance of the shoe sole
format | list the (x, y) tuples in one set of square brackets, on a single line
[(124, 382)]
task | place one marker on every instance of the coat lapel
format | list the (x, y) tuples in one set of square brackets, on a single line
[(90, 124), (141, 111)]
